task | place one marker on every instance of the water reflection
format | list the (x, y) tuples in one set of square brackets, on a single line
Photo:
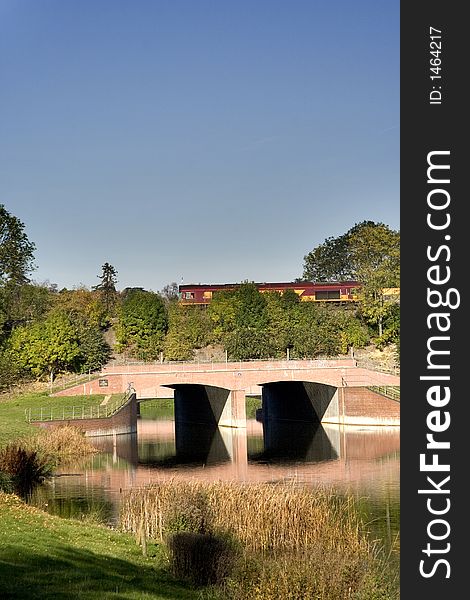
[(286, 441), (351, 457), (364, 461)]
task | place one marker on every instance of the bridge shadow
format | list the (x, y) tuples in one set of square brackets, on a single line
[(191, 445), (289, 441)]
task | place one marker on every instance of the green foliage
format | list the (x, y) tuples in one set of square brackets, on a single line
[(107, 287), (142, 324), (83, 304), (222, 312), (9, 369), (240, 320), (22, 304), (189, 327), (57, 344), (16, 251), (370, 254), (326, 330), (248, 343), (254, 325), (329, 261), (367, 251)]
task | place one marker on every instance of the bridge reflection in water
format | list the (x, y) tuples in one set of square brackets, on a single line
[(363, 460), (269, 451)]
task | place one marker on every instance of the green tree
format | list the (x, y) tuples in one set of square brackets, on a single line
[(189, 328), (107, 287), (57, 344), (142, 324), (249, 337), (329, 261), (20, 304), (50, 346), (375, 254), (368, 253), (354, 255), (16, 251), (82, 303), (222, 311)]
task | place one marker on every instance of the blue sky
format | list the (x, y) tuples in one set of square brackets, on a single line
[(214, 141)]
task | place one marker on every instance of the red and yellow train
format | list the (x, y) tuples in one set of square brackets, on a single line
[(343, 291)]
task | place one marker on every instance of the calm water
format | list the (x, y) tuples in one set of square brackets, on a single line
[(361, 460)]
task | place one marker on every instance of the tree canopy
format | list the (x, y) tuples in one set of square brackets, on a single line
[(107, 287), (142, 324), (364, 251), (16, 251)]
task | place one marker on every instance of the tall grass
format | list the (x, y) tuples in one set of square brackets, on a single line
[(25, 468), (265, 517), (60, 443), (297, 543)]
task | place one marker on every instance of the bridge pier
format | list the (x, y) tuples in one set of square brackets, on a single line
[(209, 405), (299, 401)]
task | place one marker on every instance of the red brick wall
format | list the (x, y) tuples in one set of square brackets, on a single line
[(125, 421)]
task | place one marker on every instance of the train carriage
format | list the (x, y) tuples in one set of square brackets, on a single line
[(344, 291)]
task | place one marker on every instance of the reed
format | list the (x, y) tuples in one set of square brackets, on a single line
[(60, 443), (297, 543), (25, 468), (264, 517)]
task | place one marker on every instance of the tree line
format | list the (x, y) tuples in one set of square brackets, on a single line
[(45, 331)]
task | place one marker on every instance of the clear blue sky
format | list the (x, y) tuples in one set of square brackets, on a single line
[(213, 141)]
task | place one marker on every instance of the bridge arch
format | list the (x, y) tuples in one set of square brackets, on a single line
[(298, 400), (199, 403)]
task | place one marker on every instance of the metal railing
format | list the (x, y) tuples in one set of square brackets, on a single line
[(389, 391), (69, 413)]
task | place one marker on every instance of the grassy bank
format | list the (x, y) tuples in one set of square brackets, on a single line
[(43, 557), (13, 424)]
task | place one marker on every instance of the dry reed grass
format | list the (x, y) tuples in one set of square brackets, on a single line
[(264, 517), (60, 443), (297, 543)]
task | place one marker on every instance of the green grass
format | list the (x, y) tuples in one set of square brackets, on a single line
[(12, 411), (252, 403), (158, 408), (164, 408), (43, 557)]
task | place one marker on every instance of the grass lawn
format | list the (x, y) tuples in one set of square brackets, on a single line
[(44, 557), (12, 411)]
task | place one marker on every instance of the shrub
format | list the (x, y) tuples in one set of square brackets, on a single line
[(25, 467), (6, 484), (201, 558)]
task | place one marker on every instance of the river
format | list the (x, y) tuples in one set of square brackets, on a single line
[(364, 461)]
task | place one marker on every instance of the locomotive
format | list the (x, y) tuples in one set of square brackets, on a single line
[(308, 291)]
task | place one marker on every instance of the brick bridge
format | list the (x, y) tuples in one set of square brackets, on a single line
[(328, 391)]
